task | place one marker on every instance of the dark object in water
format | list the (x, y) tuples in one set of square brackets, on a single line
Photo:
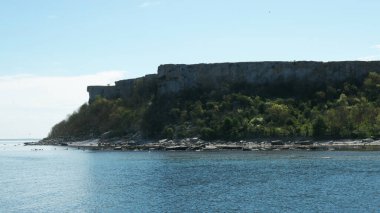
[(278, 143), (230, 147), (307, 142), (173, 148), (30, 143)]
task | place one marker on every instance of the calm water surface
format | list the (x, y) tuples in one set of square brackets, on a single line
[(58, 180)]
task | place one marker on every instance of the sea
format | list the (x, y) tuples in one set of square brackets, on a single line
[(62, 179)]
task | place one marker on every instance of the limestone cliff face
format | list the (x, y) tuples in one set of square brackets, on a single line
[(125, 89), (109, 92), (173, 78), (140, 86)]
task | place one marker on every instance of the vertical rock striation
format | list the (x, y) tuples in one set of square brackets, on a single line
[(173, 78)]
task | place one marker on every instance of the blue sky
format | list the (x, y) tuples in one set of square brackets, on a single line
[(100, 41), (71, 37)]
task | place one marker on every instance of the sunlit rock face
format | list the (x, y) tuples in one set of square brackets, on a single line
[(124, 89), (109, 92), (173, 78), (146, 84)]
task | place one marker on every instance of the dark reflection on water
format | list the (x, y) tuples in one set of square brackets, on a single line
[(59, 180)]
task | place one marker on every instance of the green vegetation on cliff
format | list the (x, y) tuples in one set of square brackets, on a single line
[(347, 110)]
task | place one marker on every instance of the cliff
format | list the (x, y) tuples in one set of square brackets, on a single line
[(173, 78), (125, 89), (234, 101)]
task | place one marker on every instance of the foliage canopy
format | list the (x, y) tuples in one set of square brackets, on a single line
[(346, 110)]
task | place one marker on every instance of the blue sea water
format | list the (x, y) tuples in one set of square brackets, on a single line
[(57, 179)]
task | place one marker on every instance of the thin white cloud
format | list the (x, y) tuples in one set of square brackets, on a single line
[(149, 4), (31, 105), (377, 46), (370, 58)]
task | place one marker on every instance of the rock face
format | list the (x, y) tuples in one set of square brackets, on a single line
[(173, 78), (109, 92), (141, 86), (124, 89)]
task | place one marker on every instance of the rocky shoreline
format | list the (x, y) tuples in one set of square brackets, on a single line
[(196, 144)]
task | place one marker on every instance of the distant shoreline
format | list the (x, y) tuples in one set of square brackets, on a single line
[(195, 144), (20, 139)]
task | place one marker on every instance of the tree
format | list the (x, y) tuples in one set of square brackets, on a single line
[(319, 127), (372, 85)]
